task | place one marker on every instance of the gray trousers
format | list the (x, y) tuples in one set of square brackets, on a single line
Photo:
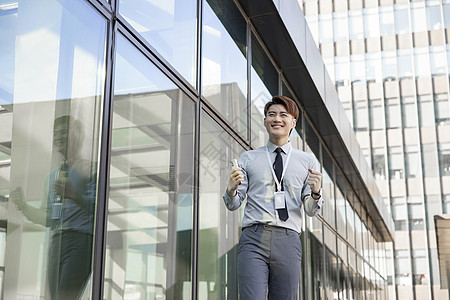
[(269, 263)]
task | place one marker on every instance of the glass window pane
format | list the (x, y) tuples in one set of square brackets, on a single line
[(393, 118), (429, 160), (389, 65), (356, 25), (401, 19), (444, 159), (395, 163), (219, 227), (328, 209), (264, 85), (357, 68), (331, 266), (434, 17), (446, 12), (341, 214), (371, 25), (442, 109), (340, 26), (325, 28), (409, 112), (361, 119), (150, 199), (373, 67), (438, 60), (412, 162), (387, 21), (224, 63), (405, 64), (379, 163), (376, 114), (422, 62), (418, 18), (169, 26), (426, 111), (50, 122)]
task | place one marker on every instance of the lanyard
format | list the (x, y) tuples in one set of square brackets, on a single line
[(278, 183)]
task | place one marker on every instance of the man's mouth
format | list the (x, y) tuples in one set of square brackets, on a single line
[(276, 126)]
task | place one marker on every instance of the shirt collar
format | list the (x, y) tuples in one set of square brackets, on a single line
[(286, 147)]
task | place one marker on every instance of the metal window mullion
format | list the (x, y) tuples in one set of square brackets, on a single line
[(197, 129), (104, 169)]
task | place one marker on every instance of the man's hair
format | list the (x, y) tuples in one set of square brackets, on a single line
[(287, 102)]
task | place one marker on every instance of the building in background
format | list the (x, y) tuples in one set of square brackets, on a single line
[(390, 62), (159, 97)]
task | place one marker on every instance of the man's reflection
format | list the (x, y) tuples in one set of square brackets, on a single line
[(68, 210)]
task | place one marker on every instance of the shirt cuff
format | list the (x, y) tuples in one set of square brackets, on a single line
[(227, 198)]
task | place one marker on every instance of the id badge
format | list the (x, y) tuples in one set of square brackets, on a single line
[(56, 210), (279, 200)]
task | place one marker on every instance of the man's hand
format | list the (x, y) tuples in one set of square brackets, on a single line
[(236, 178), (314, 180), (17, 197)]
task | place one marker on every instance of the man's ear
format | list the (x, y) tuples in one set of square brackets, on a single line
[(294, 122)]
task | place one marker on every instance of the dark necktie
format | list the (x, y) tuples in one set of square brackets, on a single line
[(278, 167)]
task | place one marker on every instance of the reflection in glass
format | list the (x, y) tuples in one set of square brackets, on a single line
[(325, 28), (395, 155), (356, 25), (341, 219), (387, 21), (376, 114), (149, 226), (401, 19), (393, 117), (412, 162), (373, 67), (264, 85), (434, 17), (426, 110), (340, 26), (219, 228), (329, 206), (444, 159), (331, 265), (224, 64), (438, 57), (418, 18), (422, 62), (405, 63), (50, 115), (429, 160), (442, 109), (389, 65), (371, 22), (317, 264), (170, 26), (409, 112)]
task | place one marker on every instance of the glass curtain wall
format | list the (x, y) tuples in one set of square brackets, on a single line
[(173, 133), (52, 66)]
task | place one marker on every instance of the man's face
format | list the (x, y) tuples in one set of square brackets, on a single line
[(60, 137), (278, 121)]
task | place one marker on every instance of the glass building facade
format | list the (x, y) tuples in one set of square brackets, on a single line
[(390, 63), (118, 123)]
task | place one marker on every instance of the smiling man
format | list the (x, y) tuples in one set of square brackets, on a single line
[(277, 181)]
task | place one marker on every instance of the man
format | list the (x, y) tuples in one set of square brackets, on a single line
[(277, 180), (67, 209)]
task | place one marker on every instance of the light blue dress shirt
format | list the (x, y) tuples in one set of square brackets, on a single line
[(259, 188)]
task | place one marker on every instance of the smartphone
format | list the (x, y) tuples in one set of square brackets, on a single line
[(234, 164)]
